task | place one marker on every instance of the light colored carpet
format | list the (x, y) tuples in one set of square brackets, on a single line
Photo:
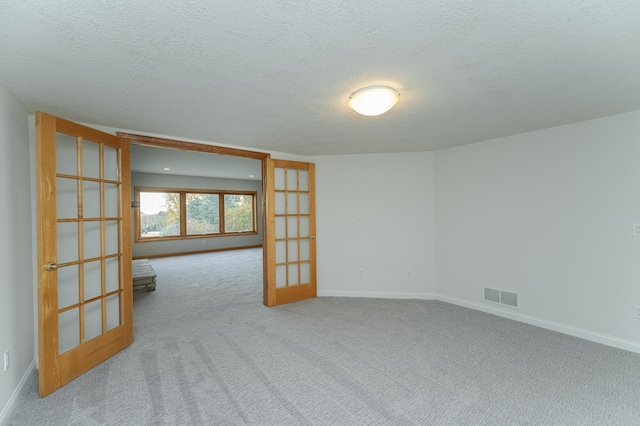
[(208, 353)]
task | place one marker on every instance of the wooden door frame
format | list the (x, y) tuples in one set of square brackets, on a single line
[(213, 149)]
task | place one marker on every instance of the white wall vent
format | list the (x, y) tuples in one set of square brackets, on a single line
[(509, 298), (502, 297), (491, 295)]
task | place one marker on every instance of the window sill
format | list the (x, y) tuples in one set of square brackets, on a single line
[(194, 237)]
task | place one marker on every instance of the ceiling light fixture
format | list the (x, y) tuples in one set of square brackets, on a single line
[(166, 169), (373, 100)]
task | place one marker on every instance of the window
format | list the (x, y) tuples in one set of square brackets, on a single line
[(203, 213), (179, 213), (159, 214), (238, 213)]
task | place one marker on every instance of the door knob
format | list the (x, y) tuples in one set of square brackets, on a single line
[(51, 266)]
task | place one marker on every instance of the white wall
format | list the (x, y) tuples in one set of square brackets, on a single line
[(16, 285), (150, 180), (548, 215), (390, 196)]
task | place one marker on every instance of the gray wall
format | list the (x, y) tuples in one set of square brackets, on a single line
[(195, 244), (16, 267), (548, 215), (390, 197)]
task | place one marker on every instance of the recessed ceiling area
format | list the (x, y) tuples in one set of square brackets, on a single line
[(150, 159), (277, 76)]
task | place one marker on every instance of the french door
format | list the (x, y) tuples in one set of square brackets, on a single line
[(85, 312), (290, 272)]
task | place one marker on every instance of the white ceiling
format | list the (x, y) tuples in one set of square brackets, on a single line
[(148, 159), (276, 75)]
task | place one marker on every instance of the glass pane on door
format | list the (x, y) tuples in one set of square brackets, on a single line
[(92, 279), (292, 252), (67, 198), (92, 320), (68, 292), (292, 180), (113, 311), (110, 163), (305, 273), (66, 154), (280, 205), (304, 249), (281, 227), (279, 179), (112, 274), (111, 196), (90, 159), (292, 227), (304, 226), (68, 330), (281, 251), (293, 274), (303, 180), (92, 240), (304, 203), (67, 242), (90, 199), (281, 276), (111, 237), (292, 203)]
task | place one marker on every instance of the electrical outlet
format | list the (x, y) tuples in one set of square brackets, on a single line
[(636, 230), (409, 274), (6, 360), (354, 224), (637, 311), (361, 273)]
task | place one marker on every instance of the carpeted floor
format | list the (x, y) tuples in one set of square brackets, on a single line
[(208, 353)]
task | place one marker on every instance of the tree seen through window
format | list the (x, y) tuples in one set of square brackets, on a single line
[(205, 213)]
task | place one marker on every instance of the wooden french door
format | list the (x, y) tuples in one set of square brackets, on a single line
[(291, 231), (85, 312)]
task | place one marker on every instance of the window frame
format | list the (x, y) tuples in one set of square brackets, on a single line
[(182, 192)]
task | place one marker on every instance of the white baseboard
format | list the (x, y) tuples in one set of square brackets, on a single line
[(8, 409), (377, 295), (604, 339)]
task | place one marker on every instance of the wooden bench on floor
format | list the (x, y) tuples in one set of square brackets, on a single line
[(144, 277)]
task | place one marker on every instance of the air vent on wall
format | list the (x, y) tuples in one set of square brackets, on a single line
[(491, 295), (507, 298)]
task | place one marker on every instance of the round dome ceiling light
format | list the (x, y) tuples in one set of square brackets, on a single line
[(373, 100)]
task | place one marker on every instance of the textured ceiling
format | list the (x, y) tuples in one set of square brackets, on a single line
[(276, 75)]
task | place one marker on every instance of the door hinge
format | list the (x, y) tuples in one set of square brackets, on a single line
[(265, 179), (266, 284)]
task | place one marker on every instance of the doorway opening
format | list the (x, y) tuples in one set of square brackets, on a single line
[(193, 161)]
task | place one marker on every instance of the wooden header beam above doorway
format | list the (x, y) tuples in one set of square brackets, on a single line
[(191, 146)]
